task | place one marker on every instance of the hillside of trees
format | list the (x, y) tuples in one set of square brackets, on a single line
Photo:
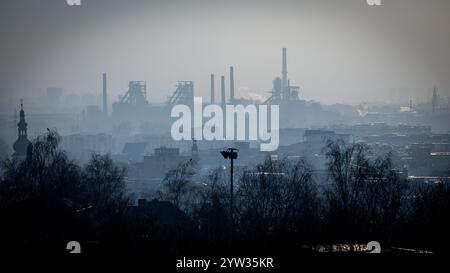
[(279, 206)]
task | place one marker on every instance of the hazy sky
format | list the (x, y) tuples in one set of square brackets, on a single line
[(338, 51)]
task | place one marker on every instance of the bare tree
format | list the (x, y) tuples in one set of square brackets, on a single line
[(177, 186), (428, 222), (275, 197), (47, 195), (365, 194), (39, 195), (45, 174), (104, 189)]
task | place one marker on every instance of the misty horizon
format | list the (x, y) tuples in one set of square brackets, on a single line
[(225, 134), (391, 56)]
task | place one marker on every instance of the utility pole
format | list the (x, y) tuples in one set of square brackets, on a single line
[(231, 153)]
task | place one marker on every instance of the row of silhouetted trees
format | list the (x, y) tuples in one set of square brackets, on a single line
[(279, 205), (47, 198), (284, 205)]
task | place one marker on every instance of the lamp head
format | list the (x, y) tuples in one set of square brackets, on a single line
[(224, 154), (230, 153)]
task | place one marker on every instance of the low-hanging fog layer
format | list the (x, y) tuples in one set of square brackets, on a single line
[(338, 51)]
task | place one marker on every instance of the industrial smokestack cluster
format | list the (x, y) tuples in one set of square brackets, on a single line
[(222, 88), (105, 96)]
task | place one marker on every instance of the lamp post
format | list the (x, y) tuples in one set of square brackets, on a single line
[(231, 153)]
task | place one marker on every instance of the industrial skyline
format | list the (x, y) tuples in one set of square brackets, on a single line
[(386, 55), (188, 130)]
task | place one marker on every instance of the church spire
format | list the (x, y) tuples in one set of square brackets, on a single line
[(22, 125), (22, 142)]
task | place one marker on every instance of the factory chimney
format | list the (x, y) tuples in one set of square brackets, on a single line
[(231, 85), (284, 73), (222, 88), (212, 89), (105, 100)]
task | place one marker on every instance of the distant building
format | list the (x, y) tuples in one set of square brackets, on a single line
[(440, 164), (22, 142), (289, 136), (93, 113), (163, 160), (312, 147), (134, 151), (426, 161), (320, 137), (133, 104), (81, 146)]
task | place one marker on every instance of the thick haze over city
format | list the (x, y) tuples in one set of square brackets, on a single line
[(339, 51), (261, 131)]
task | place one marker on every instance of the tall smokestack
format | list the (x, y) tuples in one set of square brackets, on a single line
[(212, 89), (231, 85), (105, 98), (222, 88), (284, 73)]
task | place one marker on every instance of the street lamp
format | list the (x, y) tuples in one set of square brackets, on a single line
[(231, 153)]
